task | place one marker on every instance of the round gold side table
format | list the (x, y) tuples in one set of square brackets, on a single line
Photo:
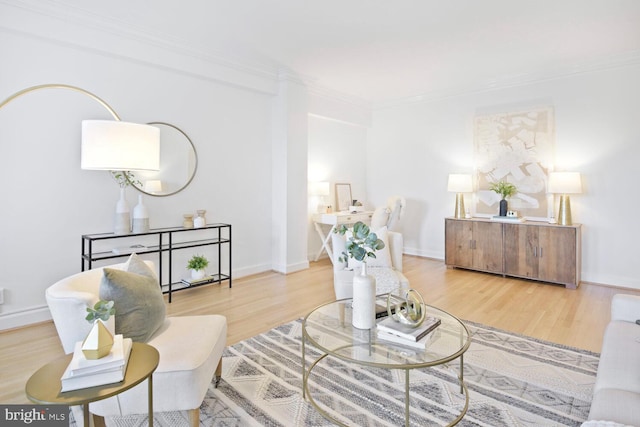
[(44, 385)]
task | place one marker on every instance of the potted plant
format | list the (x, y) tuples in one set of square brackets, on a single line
[(504, 189), (99, 341), (197, 264), (361, 245)]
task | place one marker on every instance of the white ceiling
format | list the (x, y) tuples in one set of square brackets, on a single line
[(383, 50)]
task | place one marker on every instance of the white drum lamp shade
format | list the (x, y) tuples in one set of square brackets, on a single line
[(460, 183), (119, 146)]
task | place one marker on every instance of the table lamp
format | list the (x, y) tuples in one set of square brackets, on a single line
[(459, 184), (565, 183), (321, 190)]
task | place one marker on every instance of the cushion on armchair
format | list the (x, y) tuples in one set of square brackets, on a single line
[(137, 297)]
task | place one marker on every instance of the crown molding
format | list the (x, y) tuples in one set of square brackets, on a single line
[(627, 59), (61, 11)]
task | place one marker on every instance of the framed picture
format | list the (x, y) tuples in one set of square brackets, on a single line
[(343, 197), (515, 147)]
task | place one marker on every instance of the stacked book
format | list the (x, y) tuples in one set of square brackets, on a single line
[(392, 331), (110, 369), (192, 282)]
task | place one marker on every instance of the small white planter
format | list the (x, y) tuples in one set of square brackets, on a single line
[(197, 274)]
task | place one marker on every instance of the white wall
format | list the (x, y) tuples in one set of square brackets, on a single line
[(596, 134), (48, 202), (337, 154)]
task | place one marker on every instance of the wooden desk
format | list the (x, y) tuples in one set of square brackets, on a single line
[(44, 386), (334, 220)]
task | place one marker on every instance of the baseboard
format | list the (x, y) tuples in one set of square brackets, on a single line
[(422, 253), (24, 317)]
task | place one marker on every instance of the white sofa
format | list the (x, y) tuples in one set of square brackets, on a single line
[(616, 398), (386, 268)]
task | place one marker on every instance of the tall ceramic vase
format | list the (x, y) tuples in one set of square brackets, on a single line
[(140, 217), (122, 219), (504, 205), (364, 300)]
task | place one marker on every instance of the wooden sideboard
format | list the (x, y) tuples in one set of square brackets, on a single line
[(532, 250)]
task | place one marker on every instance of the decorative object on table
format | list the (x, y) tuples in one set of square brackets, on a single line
[(362, 244), (189, 281), (197, 264), (343, 197), (356, 206), (407, 308), (83, 372), (187, 222), (565, 183), (416, 337), (504, 189), (200, 219), (99, 341), (459, 183), (122, 219), (140, 217)]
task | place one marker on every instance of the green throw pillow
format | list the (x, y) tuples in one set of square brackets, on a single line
[(140, 308)]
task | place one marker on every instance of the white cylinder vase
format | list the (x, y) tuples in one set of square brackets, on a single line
[(122, 219), (364, 300), (140, 217)]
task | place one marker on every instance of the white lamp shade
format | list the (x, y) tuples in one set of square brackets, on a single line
[(460, 183), (319, 188), (565, 183), (119, 146), (153, 186)]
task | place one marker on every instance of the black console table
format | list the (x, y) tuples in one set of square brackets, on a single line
[(161, 240)]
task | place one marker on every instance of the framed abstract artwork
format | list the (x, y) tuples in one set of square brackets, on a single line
[(517, 147)]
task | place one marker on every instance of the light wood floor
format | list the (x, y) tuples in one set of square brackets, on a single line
[(258, 303)]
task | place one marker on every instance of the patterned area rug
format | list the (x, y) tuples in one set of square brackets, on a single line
[(512, 380)]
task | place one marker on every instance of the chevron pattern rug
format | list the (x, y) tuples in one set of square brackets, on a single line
[(512, 380)]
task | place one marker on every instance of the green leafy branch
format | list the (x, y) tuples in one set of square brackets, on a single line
[(101, 310), (362, 244)]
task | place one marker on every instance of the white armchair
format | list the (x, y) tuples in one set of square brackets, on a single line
[(190, 350), (386, 268), (389, 215)]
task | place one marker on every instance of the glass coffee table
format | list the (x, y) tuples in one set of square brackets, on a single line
[(328, 328)]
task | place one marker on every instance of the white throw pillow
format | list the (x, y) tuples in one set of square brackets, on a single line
[(383, 256), (380, 217)]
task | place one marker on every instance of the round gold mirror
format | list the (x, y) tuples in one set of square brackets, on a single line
[(178, 164)]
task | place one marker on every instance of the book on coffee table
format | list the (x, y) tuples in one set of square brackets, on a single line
[(421, 344), (390, 326)]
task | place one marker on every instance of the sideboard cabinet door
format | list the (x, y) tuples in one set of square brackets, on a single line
[(473, 244), (549, 253)]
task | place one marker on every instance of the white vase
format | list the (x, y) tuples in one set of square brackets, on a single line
[(197, 274), (140, 217), (122, 219), (364, 300)]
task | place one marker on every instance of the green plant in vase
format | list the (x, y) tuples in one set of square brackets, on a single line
[(361, 245), (197, 264), (504, 189)]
